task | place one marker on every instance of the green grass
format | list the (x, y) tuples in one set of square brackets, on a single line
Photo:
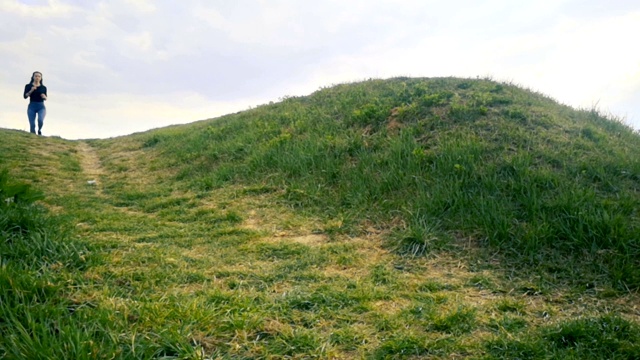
[(465, 157), (604, 337), (386, 219)]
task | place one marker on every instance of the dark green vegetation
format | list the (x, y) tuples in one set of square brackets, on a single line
[(404, 218), (36, 256)]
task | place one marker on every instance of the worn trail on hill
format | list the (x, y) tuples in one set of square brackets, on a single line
[(91, 164)]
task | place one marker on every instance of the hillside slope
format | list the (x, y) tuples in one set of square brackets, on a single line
[(436, 161), (443, 218)]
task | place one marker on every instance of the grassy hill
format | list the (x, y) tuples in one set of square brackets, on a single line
[(384, 219)]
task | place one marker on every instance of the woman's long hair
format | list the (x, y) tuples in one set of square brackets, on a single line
[(34, 74)]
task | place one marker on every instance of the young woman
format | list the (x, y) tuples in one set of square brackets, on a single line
[(37, 94)]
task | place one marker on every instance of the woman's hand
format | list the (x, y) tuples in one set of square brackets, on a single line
[(43, 96)]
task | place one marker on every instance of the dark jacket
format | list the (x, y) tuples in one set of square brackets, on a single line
[(35, 95)]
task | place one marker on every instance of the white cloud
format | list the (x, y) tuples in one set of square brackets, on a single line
[(140, 41), (137, 113), (53, 9), (590, 62), (143, 6), (176, 61)]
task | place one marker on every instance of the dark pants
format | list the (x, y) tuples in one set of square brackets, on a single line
[(36, 108)]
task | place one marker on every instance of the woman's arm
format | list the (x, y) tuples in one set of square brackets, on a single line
[(27, 91)]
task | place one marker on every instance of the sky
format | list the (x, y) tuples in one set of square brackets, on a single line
[(117, 67)]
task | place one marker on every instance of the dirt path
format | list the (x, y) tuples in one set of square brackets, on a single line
[(91, 165)]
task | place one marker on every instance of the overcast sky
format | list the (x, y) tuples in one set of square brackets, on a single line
[(117, 67)]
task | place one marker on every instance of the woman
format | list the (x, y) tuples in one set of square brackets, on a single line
[(37, 94)]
